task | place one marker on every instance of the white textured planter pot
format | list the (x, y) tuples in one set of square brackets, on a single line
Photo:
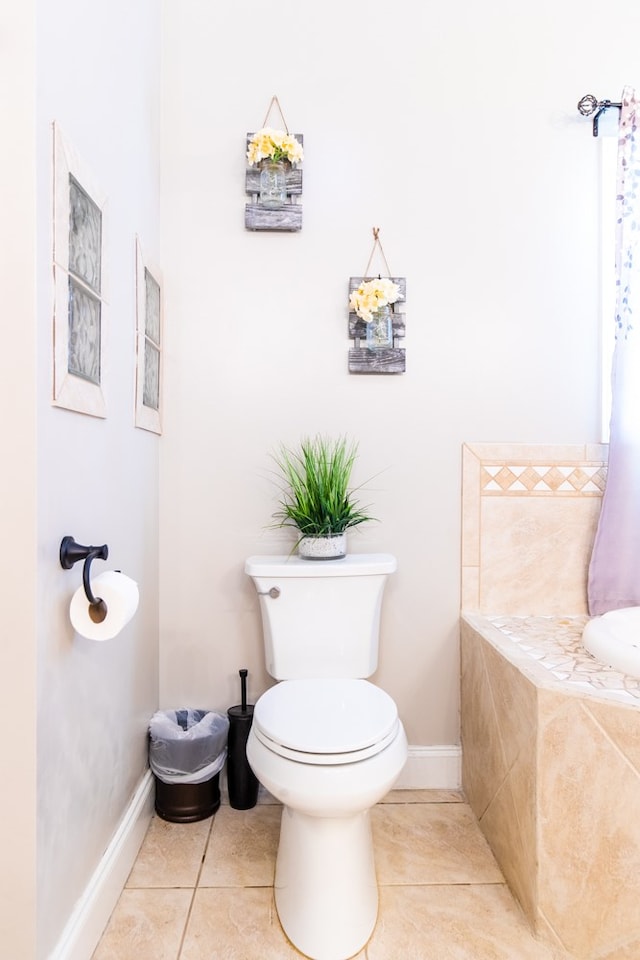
[(323, 548)]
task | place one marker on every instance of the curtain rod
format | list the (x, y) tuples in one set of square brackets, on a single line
[(590, 104)]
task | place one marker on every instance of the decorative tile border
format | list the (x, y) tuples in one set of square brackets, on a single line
[(503, 479)]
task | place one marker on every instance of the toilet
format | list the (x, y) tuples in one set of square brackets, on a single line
[(325, 741)]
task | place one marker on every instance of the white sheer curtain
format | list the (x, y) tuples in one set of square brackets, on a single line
[(614, 570)]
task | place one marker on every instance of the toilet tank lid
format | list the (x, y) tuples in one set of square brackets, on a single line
[(353, 565)]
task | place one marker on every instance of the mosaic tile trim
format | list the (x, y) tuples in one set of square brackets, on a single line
[(556, 644), (542, 479)]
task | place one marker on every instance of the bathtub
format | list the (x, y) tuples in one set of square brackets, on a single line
[(551, 769), (614, 639)]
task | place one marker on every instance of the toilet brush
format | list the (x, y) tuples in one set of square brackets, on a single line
[(241, 780)]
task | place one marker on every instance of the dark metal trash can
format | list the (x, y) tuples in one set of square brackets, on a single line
[(187, 802), (187, 750)]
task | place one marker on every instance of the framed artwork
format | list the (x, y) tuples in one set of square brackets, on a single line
[(80, 280), (148, 345)]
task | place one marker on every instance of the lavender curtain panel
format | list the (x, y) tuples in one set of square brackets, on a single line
[(614, 570)]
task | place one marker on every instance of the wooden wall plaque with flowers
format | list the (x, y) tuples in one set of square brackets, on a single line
[(273, 179), (376, 324)]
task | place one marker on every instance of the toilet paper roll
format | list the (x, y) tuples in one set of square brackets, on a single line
[(121, 596)]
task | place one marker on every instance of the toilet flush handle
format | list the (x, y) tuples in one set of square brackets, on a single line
[(274, 593)]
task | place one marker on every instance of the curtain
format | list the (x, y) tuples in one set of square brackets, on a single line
[(614, 569)]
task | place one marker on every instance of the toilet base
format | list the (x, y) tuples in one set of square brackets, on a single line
[(325, 885)]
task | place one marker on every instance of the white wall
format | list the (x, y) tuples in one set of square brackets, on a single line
[(18, 485), (98, 77), (454, 129)]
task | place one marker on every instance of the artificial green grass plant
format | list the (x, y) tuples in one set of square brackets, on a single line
[(316, 498)]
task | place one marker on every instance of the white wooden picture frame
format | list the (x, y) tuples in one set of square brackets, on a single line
[(80, 284), (149, 322)]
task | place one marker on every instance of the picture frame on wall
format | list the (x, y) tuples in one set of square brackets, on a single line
[(149, 343), (80, 311)]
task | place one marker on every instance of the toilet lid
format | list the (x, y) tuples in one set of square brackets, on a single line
[(323, 721)]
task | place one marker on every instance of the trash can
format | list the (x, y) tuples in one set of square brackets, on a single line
[(187, 751)]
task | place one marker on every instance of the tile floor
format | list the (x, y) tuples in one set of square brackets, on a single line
[(204, 891)]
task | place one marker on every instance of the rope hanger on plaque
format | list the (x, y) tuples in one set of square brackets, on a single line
[(273, 179), (374, 317), (377, 245), (275, 102)]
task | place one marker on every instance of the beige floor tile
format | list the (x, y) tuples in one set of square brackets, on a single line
[(232, 924), (145, 925), (242, 847), (477, 922), (442, 896), (631, 951), (171, 854), (431, 843)]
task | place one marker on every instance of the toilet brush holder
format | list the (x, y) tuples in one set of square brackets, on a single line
[(241, 780)]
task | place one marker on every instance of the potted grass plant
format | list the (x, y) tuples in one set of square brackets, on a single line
[(316, 496)]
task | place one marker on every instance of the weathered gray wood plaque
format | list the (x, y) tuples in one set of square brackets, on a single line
[(286, 217), (385, 359)]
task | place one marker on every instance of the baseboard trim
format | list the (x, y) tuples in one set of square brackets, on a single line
[(432, 768), (91, 914)]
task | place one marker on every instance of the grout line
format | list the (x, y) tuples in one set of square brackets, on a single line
[(609, 737), (195, 888), (444, 883)]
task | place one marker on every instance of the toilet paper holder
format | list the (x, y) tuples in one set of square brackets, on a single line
[(70, 553)]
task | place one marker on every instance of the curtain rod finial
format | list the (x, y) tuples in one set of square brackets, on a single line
[(588, 105)]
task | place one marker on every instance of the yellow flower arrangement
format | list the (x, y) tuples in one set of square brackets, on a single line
[(373, 294), (270, 144)]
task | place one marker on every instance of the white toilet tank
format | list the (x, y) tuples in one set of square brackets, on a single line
[(321, 618)]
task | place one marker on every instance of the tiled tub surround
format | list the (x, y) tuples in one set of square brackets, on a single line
[(555, 643), (550, 737), (529, 514), (551, 769)]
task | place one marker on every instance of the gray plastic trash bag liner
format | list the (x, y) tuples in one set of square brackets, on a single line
[(187, 746)]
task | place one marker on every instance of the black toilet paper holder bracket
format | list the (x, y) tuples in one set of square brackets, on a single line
[(70, 553)]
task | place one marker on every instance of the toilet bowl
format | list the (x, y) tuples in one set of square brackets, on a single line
[(328, 750), (325, 741)]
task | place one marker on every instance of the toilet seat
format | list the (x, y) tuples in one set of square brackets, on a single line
[(325, 721)]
